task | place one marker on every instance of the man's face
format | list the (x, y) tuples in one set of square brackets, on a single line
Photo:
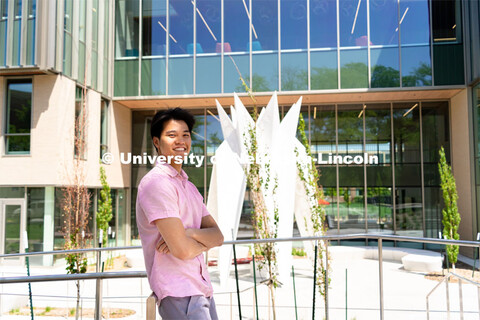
[(175, 139)]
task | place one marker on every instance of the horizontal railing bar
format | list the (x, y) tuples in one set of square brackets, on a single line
[(70, 277), (70, 297), (370, 236)]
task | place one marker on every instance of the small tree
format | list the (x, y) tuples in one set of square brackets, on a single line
[(76, 202), (451, 217), (104, 213)]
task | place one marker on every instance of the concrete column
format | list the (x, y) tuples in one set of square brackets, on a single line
[(461, 156)]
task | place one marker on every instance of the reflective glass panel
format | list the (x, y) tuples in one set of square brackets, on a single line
[(408, 195), (379, 173), (294, 71), (351, 176), (353, 23), (36, 205), (180, 75), (234, 66), (153, 77), (323, 16), (383, 22), (12, 228), (265, 72), (236, 26), (265, 25), (154, 27), (208, 76), (385, 69), (126, 28), (17, 25), (416, 67), (12, 192), (3, 32), (30, 50), (19, 114), (125, 79), (181, 27), (121, 211), (322, 144), (324, 70), (294, 24), (414, 22), (208, 26), (354, 70)]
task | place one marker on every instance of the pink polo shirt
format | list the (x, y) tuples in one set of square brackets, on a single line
[(165, 193)]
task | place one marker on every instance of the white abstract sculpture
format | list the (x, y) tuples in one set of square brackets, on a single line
[(276, 142)]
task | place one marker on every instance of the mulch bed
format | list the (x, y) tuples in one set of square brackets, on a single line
[(462, 269), (70, 312)]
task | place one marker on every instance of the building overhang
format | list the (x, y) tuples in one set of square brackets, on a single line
[(288, 98)]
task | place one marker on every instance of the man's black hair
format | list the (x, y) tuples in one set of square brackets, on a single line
[(162, 117)]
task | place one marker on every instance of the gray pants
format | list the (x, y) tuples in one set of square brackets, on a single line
[(188, 308)]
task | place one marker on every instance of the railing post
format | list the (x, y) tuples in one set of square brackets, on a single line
[(460, 298), (380, 274), (98, 282), (98, 300), (448, 298), (478, 296), (326, 280), (428, 309)]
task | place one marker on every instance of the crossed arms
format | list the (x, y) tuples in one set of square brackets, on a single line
[(186, 244)]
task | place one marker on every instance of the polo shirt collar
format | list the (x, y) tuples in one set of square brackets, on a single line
[(168, 169)]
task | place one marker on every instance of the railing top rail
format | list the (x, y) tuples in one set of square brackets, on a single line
[(365, 236), (70, 277), (464, 279)]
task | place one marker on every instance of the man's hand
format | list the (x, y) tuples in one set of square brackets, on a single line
[(162, 247), (209, 234)]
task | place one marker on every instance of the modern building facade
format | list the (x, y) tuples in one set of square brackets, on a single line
[(392, 78)]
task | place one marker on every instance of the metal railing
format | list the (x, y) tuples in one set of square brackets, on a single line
[(460, 293), (99, 276)]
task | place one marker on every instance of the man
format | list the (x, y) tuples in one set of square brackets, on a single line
[(174, 224)]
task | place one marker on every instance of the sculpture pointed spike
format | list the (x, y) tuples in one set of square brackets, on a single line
[(242, 112), (228, 129), (233, 113)]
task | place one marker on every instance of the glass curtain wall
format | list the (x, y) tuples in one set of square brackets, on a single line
[(351, 191), (399, 193), (203, 47), (3, 32), (378, 143)]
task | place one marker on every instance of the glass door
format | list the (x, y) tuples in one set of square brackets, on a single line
[(12, 225)]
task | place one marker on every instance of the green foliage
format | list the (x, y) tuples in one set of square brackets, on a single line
[(298, 252), (383, 77), (48, 309), (14, 311), (76, 262), (104, 213), (324, 78), (294, 79), (421, 76), (451, 217), (354, 75)]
